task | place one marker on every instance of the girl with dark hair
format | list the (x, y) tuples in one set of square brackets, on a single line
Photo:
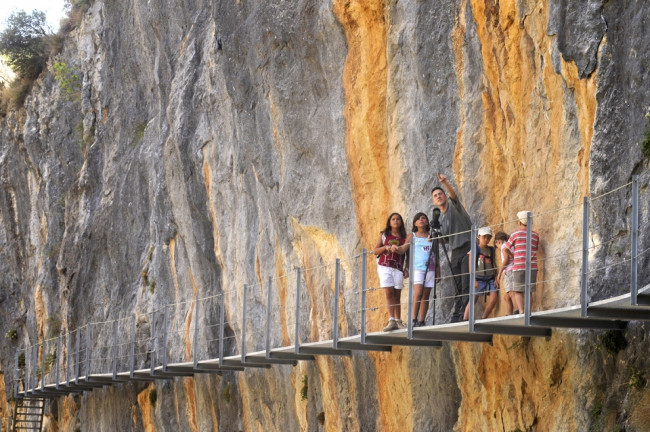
[(390, 266), (425, 267)]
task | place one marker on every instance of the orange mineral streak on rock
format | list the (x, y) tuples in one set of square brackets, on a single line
[(299, 404), (250, 422), (67, 413), (457, 43), (528, 111), (188, 318), (190, 408), (208, 155), (338, 417), (584, 91), (516, 382), (364, 82), (146, 409), (318, 250), (215, 420), (4, 407)]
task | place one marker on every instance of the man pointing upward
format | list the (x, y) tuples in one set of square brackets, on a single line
[(455, 220)]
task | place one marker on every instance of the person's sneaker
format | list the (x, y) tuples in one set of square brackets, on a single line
[(392, 325), (421, 324), (400, 324)]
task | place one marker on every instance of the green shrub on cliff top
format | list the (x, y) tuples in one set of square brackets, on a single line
[(24, 43)]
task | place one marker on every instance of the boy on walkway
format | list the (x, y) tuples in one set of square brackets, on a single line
[(485, 271)]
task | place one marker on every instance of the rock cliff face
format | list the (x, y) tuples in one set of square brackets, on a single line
[(214, 144)]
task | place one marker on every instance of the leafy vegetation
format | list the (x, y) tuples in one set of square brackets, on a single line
[(138, 133), (612, 341), (53, 326), (49, 361), (226, 393), (153, 396), (68, 80), (12, 334), (304, 388), (23, 42), (637, 378)]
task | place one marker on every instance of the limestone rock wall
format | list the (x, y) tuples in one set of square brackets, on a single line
[(214, 144)]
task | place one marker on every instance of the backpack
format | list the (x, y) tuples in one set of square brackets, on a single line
[(485, 269)]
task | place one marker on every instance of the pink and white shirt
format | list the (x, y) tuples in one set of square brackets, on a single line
[(517, 245)]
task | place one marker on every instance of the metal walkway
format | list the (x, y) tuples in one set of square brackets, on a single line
[(197, 336), (612, 313)]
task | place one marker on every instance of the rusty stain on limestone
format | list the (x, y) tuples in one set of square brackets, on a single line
[(146, 409), (520, 148)]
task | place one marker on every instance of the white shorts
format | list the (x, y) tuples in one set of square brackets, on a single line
[(418, 277), (390, 277)]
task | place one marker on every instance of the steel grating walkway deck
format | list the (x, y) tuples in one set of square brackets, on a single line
[(613, 313)]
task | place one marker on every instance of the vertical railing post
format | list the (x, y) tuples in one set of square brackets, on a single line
[(243, 327), (585, 258), (335, 315), (472, 279), (88, 351), (28, 366), (26, 371), (409, 324), (43, 350), (634, 288), (35, 368), (132, 353), (58, 360), (222, 323), (267, 341), (152, 364), (68, 356), (529, 245), (17, 372), (76, 357), (115, 329), (195, 343), (296, 342), (364, 289), (164, 341)]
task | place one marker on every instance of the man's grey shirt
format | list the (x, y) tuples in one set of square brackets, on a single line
[(456, 220)]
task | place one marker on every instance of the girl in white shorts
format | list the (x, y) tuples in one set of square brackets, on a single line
[(425, 267), (390, 265)]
